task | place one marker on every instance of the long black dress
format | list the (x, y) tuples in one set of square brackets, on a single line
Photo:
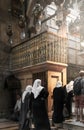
[(58, 103), (40, 115), (26, 109), (69, 102)]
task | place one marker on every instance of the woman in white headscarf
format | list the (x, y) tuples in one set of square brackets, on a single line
[(58, 103), (26, 108), (69, 97), (69, 86), (40, 115), (28, 89)]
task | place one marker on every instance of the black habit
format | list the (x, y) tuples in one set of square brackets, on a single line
[(25, 113), (58, 104), (40, 114)]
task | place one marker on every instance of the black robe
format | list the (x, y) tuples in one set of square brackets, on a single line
[(26, 109), (40, 114), (68, 100), (58, 104)]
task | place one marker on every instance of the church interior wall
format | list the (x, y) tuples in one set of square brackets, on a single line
[(73, 71), (75, 61), (25, 78)]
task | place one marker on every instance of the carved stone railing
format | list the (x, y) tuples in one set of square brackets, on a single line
[(41, 48)]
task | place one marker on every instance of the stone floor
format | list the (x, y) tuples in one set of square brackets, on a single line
[(70, 124), (6, 124)]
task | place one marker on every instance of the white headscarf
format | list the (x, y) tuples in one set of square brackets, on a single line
[(37, 88), (28, 89), (58, 84), (69, 86)]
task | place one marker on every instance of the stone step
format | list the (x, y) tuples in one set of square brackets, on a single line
[(12, 128), (67, 125), (8, 125)]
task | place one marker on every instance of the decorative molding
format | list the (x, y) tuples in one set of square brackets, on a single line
[(45, 66)]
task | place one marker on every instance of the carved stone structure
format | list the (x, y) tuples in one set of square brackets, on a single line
[(49, 55), (43, 56)]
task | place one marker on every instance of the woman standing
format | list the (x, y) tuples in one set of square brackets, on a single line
[(40, 115), (69, 98), (58, 103), (26, 108)]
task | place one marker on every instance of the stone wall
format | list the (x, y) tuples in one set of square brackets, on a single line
[(73, 71), (73, 51)]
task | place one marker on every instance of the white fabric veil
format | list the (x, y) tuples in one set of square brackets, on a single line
[(69, 86), (37, 88), (28, 89), (58, 84)]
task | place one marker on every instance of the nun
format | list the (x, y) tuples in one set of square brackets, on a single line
[(69, 98), (40, 114), (58, 104), (26, 108)]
